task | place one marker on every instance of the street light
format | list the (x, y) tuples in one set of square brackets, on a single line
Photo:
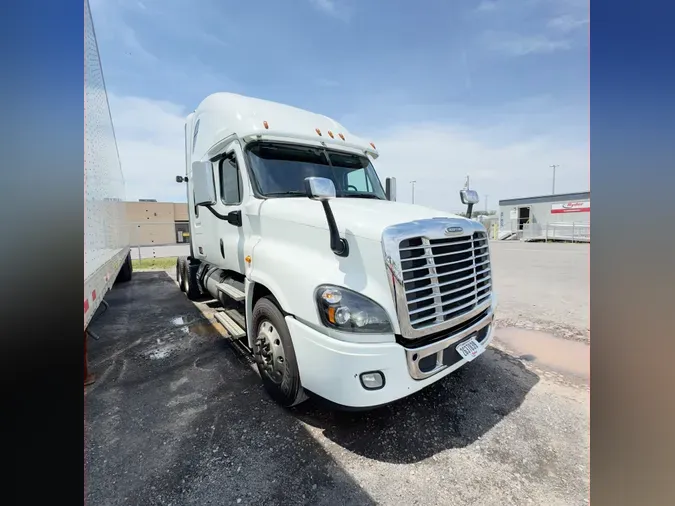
[(553, 167), (413, 190)]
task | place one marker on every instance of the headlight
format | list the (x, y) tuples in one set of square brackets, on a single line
[(345, 310)]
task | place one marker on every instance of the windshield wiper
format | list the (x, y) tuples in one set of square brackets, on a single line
[(361, 196), (290, 193)]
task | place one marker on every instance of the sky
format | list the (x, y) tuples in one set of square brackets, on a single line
[(497, 90)]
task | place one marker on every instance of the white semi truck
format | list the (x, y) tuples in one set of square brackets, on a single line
[(106, 232), (334, 287)]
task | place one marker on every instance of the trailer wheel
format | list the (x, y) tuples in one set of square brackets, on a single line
[(190, 286), (180, 265), (126, 270), (274, 354)]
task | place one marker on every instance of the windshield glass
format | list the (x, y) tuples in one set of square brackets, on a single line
[(280, 170)]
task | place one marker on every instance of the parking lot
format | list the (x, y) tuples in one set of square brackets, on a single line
[(178, 416), (543, 286)]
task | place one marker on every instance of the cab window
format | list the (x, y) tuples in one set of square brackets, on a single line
[(230, 181), (357, 181)]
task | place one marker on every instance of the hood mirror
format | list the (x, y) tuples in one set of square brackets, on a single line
[(323, 189), (469, 197), (319, 188)]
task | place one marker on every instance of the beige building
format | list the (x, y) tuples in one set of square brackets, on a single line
[(158, 223)]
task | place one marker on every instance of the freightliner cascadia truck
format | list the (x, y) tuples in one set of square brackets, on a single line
[(336, 289)]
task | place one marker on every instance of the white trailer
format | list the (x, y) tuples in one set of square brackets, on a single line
[(106, 232), (334, 287)]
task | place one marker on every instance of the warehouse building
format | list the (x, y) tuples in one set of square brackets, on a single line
[(536, 217), (157, 223)]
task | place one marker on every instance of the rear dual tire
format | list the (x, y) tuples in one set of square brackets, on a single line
[(126, 270), (186, 276)]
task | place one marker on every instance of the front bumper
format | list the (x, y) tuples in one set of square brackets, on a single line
[(331, 368)]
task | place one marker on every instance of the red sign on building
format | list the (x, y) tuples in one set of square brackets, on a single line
[(583, 206)]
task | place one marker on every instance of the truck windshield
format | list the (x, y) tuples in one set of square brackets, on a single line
[(280, 170)]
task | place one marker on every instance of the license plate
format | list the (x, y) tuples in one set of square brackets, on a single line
[(470, 349)]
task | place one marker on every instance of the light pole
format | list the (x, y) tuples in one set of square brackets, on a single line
[(553, 167), (413, 190), (486, 202)]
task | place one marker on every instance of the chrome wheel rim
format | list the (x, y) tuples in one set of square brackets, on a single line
[(271, 351)]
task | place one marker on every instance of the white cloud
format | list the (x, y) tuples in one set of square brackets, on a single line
[(326, 83), (111, 25), (529, 5), (515, 44), (439, 156), (487, 6), (566, 23), (560, 22), (327, 6), (332, 8), (150, 140)]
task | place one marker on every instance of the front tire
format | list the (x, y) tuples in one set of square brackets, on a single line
[(274, 354)]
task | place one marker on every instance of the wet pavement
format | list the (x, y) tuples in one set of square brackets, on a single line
[(178, 416), (569, 358)]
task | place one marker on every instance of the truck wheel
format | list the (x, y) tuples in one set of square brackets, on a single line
[(274, 354), (126, 270), (180, 264), (190, 281)]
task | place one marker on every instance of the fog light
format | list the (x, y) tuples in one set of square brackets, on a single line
[(373, 380)]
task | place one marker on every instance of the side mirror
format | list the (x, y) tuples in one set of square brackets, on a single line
[(469, 196), (390, 188), (319, 188), (203, 183)]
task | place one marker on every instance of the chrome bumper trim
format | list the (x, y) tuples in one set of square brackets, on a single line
[(439, 347)]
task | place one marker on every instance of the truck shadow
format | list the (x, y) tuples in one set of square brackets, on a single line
[(177, 417), (452, 413)]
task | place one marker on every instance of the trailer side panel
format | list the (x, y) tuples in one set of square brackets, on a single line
[(106, 232)]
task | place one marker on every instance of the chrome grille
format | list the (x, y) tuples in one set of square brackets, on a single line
[(444, 279)]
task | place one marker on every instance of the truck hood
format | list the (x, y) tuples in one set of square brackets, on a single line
[(365, 218)]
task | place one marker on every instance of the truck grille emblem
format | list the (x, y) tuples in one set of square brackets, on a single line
[(453, 230)]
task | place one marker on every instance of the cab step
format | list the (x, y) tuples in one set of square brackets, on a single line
[(238, 318), (232, 327), (231, 291)]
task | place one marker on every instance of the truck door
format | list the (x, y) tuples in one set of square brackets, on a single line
[(231, 191)]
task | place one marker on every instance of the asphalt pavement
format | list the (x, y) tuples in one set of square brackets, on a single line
[(178, 416)]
